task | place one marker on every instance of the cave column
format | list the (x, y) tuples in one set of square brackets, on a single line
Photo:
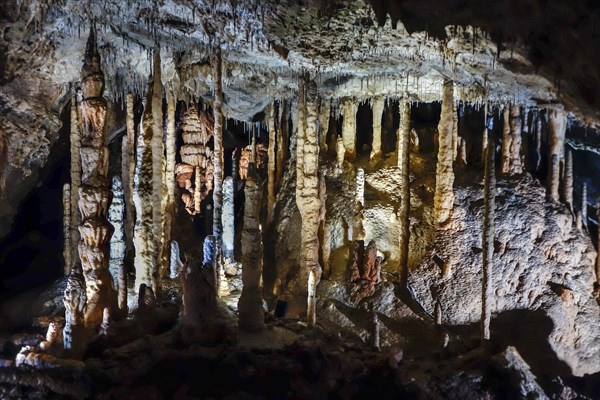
[(94, 193), (324, 115), (271, 164), (378, 106), (511, 141), (349, 128), (228, 221), (558, 125), (171, 149), (444, 194), (404, 212), (68, 245), (250, 304), (75, 146), (117, 243), (127, 176), (489, 198), (218, 168), (307, 192), (584, 215), (568, 180)]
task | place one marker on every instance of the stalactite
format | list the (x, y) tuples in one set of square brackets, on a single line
[(538, 144), (404, 212), (489, 197), (281, 148), (349, 128), (378, 106), (75, 301), (218, 170), (455, 137), (75, 146), (515, 166), (171, 149), (568, 181), (462, 151), (307, 192), (127, 177), (67, 246), (485, 136), (358, 230), (271, 165), (324, 115), (228, 220), (94, 193), (506, 140), (250, 305), (159, 191), (340, 153), (557, 122), (444, 194)]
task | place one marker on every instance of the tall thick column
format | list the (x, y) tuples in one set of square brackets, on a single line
[(307, 192), (443, 200), (271, 164), (489, 198), (558, 126), (171, 149), (159, 191), (94, 193), (218, 165), (127, 176), (67, 244), (349, 127), (404, 212), (75, 146), (250, 305), (378, 106)]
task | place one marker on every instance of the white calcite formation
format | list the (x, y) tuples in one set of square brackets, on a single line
[(94, 192), (378, 105), (558, 124), (404, 169), (349, 127), (444, 194), (75, 302), (117, 241)]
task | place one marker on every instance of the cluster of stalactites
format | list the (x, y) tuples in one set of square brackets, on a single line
[(195, 172)]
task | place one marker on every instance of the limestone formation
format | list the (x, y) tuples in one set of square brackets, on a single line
[(598, 256), (250, 305), (194, 173), (538, 142), (75, 302), (228, 220), (489, 196), (75, 146), (105, 326), (340, 152), (117, 241), (94, 193), (358, 230), (375, 331), (67, 245), (404, 212), (444, 194), (324, 115), (128, 175), (568, 181), (171, 149), (307, 191), (271, 165), (159, 191), (54, 338), (218, 169), (199, 287), (378, 106), (282, 132), (349, 127), (558, 124), (511, 141), (584, 206), (176, 265)]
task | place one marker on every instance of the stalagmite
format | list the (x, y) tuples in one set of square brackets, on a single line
[(404, 212), (145, 260), (117, 243), (127, 176), (218, 165), (584, 206), (557, 122), (349, 128), (489, 197), (94, 193), (444, 194), (375, 331), (568, 181), (68, 245), (54, 337), (340, 152), (74, 330), (105, 326), (228, 220), (199, 287), (360, 186), (378, 106), (271, 165), (159, 191), (176, 265), (307, 192), (250, 305), (75, 146)]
